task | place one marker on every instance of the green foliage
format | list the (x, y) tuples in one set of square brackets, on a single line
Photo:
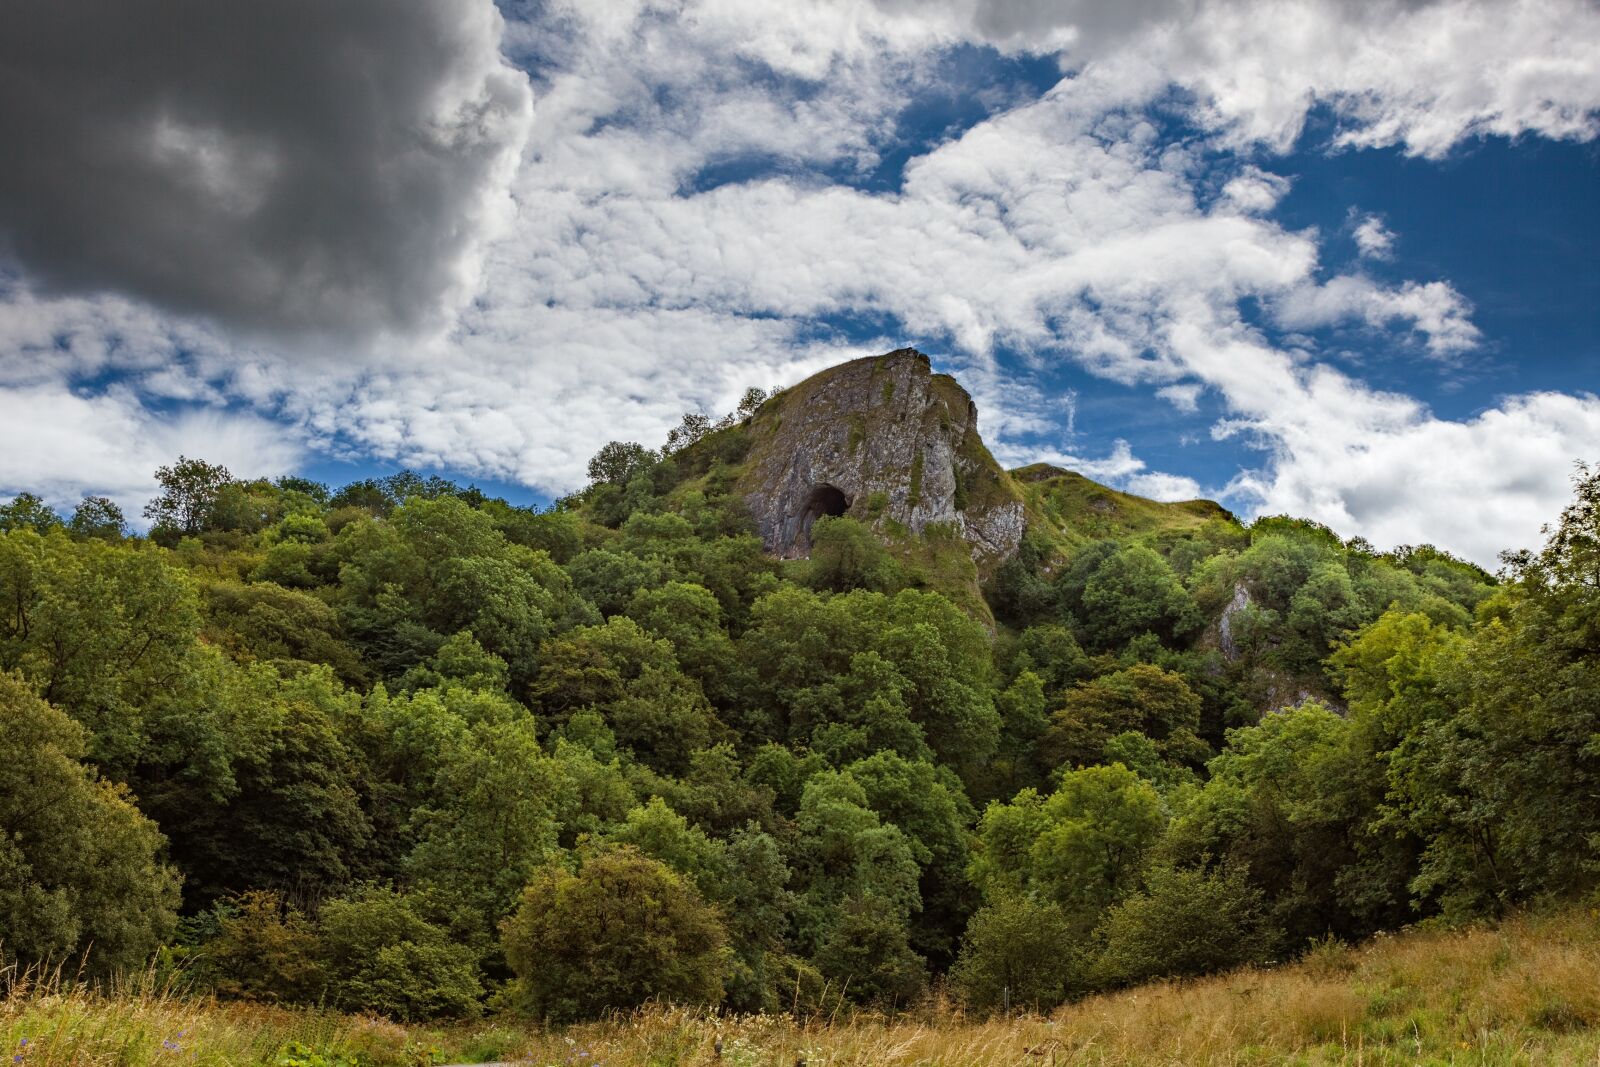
[(846, 555), (1017, 951), (98, 516), (619, 462), (621, 930), (1083, 847), (1184, 922), (28, 512), (382, 955), (1292, 803), (866, 955), (403, 742), (633, 681), (189, 493), (263, 950), (81, 871), (1134, 591), (1143, 699)]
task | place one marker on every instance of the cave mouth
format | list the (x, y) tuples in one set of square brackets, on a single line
[(825, 499)]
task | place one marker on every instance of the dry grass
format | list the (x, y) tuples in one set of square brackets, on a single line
[(1526, 992)]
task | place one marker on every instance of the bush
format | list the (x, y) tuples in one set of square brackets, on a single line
[(1019, 950), (868, 957), (263, 950), (1185, 922), (383, 956), (846, 555), (622, 930)]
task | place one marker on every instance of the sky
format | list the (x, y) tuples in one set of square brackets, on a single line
[(1327, 258)]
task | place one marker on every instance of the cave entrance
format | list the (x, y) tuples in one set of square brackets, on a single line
[(824, 500)]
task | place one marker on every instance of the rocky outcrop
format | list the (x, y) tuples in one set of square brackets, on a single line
[(1225, 638), (884, 440)]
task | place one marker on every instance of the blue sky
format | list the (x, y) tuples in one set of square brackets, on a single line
[(1323, 258)]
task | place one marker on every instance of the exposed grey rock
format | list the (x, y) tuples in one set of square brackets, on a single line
[(886, 441), (1225, 641)]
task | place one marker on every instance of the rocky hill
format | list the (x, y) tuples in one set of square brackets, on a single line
[(887, 441), (890, 443)]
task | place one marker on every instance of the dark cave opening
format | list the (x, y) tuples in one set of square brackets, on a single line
[(824, 500)]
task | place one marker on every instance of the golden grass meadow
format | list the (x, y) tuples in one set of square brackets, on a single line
[(1526, 991)]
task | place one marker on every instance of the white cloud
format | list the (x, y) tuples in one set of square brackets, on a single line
[(1475, 486), (1422, 74), (1434, 309), (1064, 227), (1185, 398), (64, 446), (1373, 238)]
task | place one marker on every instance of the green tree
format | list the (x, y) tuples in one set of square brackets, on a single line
[(105, 633), (621, 930), (1293, 802), (81, 871), (926, 804), (290, 816), (847, 555), (1184, 922), (619, 462), (1017, 950), (189, 490), (867, 955), (1134, 591), (28, 512), (1084, 846), (263, 949), (98, 516), (267, 622), (758, 905), (380, 954), (1142, 698), (845, 850), (632, 680), (490, 820), (1023, 721)]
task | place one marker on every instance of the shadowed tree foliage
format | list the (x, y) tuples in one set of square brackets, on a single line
[(81, 871), (621, 930)]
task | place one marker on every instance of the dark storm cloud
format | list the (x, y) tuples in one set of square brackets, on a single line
[(287, 166)]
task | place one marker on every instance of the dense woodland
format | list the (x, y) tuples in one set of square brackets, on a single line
[(408, 749)]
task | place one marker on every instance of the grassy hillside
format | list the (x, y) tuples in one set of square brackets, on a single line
[(1520, 993), (1077, 509)]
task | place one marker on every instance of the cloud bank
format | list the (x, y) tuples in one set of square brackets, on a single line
[(702, 189), (293, 166)]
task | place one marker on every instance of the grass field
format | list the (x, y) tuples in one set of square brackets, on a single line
[(1525, 992)]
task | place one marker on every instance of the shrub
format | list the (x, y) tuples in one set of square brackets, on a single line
[(263, 950), (383, 956), (1185, 922), (622, 930), (1017, 950)]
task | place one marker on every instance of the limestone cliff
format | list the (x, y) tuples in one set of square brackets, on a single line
[(886, 441)]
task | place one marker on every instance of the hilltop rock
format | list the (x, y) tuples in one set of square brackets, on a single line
[(884, 440)]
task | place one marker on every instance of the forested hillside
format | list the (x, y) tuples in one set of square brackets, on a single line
[(401, 747)]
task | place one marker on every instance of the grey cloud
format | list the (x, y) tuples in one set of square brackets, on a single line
[(1099, 24), (286, 166)]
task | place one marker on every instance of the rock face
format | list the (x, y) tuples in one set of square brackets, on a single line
[(885, 441)]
